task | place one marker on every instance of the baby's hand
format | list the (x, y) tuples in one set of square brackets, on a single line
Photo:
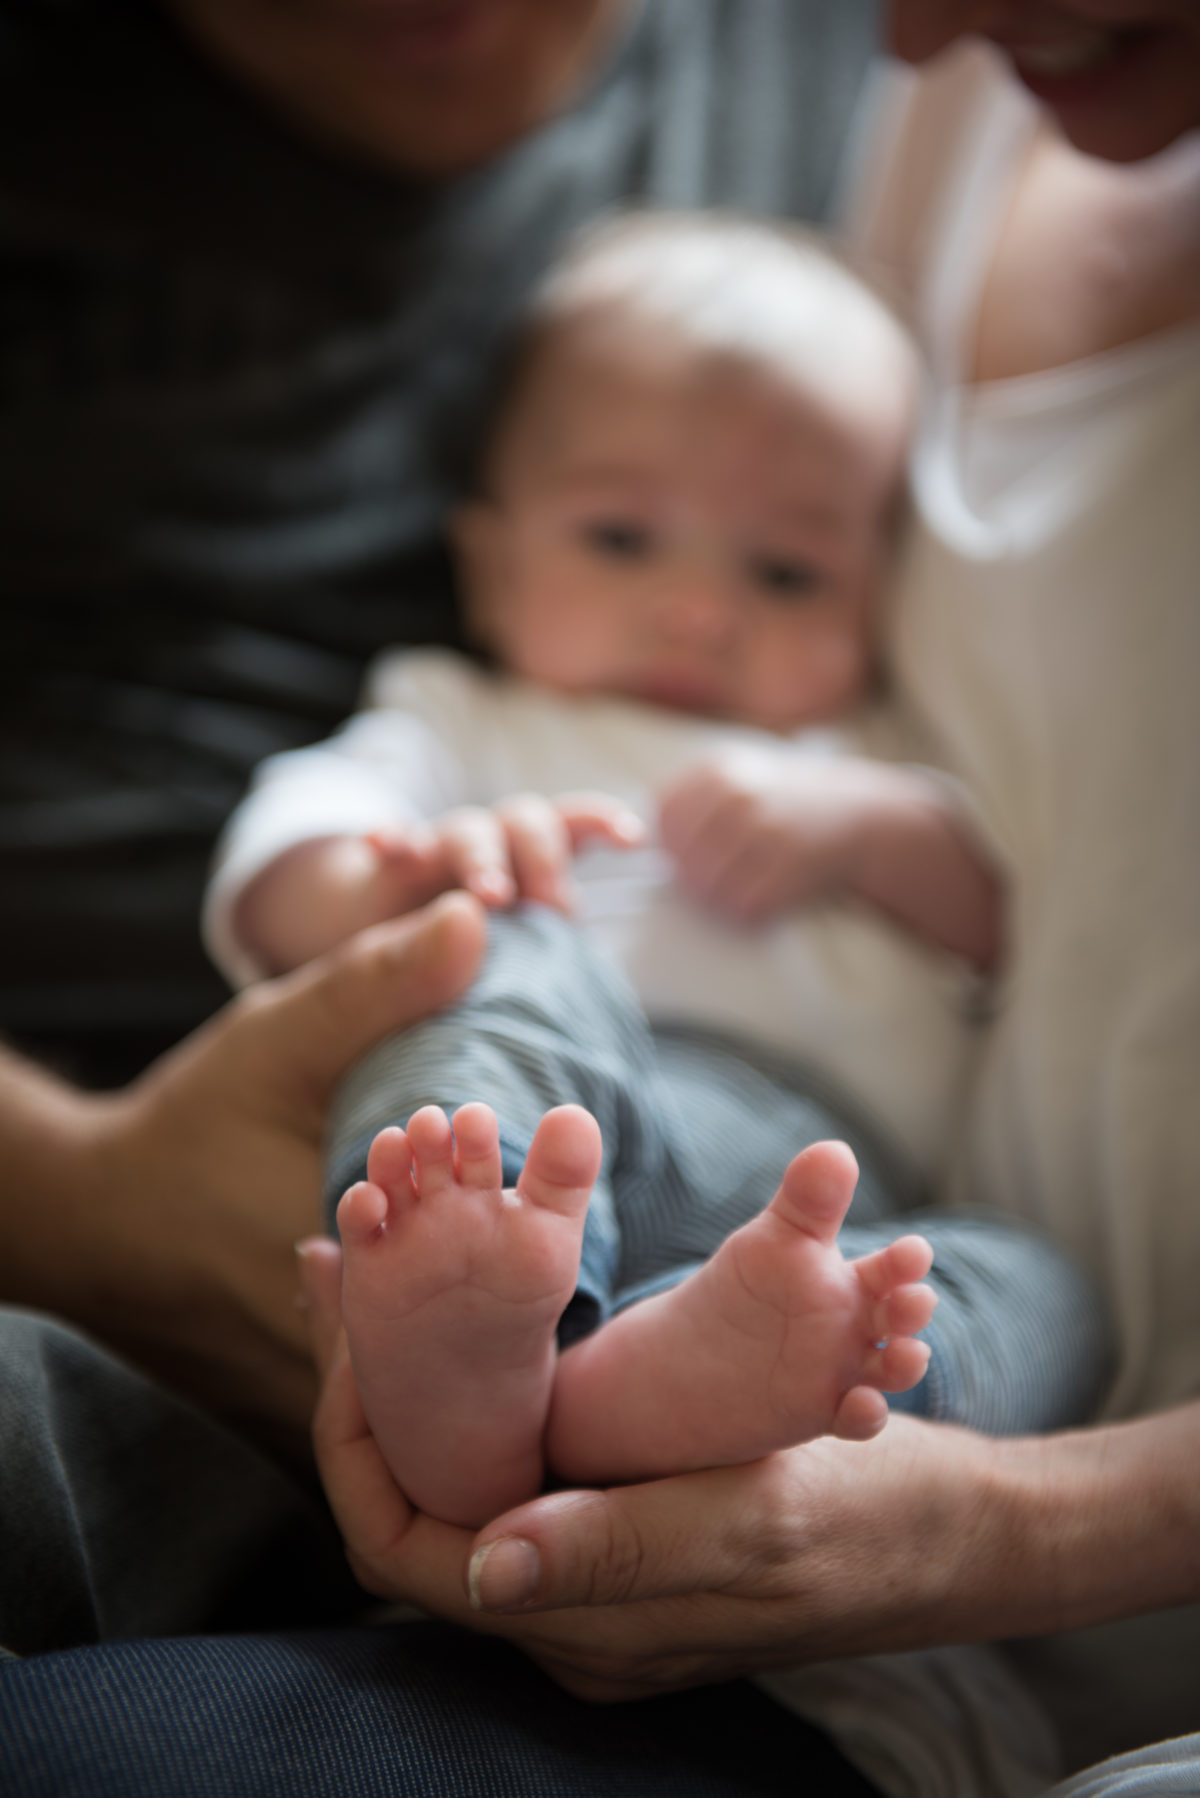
[(519, 849), (754, 832), (758, 831)]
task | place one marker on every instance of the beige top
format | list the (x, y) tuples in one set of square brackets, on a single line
[(1048, 638)]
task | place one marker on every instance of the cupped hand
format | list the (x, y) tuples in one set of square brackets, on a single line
[(521, 848), (187, 1192), (831, 1549), (827, 1550)]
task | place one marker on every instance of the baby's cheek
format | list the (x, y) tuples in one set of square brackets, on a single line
[(826, 671)]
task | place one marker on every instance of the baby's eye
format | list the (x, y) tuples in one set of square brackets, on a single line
[(619, 538), (786, 577)]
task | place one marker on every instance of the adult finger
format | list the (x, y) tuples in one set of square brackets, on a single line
[(394, 1551), (297, 1036), (319, 1260)]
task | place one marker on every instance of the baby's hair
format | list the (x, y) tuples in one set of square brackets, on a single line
[(776, 296)]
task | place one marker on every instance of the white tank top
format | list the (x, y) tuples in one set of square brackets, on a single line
[(1047, 633)]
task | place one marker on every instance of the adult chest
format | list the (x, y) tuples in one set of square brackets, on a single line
[(1088, 256)]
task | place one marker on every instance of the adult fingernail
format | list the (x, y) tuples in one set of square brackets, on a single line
[(504, 1574)]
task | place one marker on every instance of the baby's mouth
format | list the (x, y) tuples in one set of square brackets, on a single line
[(679, 694)]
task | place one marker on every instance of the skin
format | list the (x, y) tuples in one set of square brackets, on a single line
[(681, 528), (162, 1218), (452, 1289), (428, 86), (926, 1535), (322, 892), (671, 525), (929, 1535)]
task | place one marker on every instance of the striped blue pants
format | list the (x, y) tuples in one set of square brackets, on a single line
[(697, 1131)]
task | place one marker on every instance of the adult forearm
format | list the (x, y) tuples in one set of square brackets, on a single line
[(1094, 1525), (115, 1219), (928, 1536), (46, 1130)]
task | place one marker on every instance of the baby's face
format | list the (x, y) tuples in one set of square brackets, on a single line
[(681, 529)]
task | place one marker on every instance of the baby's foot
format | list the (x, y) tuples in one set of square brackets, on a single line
[(775, 1340), (451, 1291)]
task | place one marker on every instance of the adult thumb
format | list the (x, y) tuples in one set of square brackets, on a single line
[(598, 1548), (309, 1027)]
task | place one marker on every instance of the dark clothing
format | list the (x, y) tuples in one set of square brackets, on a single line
[(418, 1711), (124, 1514), (233, 372)]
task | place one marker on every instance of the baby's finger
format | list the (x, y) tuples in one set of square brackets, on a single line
[(718, 861), (751, 885), (539, 848), (588, 815), (686, 809), (476, 849)]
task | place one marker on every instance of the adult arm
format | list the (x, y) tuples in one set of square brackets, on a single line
[(928, 1535), (924, 1536), (162, 1218)]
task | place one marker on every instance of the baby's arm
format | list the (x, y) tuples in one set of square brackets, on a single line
[(755, 833), (318, 893)]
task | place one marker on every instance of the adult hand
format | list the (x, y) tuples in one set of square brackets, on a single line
[(828, 1550), (164, 1218), (831, 1549), (926, 1535)]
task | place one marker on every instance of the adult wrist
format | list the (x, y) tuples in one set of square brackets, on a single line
[(56, 1143), (1081, 1528)]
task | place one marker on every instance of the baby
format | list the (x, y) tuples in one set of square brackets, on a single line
[(674, 555)]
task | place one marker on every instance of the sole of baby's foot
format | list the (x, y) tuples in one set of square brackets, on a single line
[(452, 1288), (776, 1340)]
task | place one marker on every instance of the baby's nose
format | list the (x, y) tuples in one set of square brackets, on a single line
[(695, 604)]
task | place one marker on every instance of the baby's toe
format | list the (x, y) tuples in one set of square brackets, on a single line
[(477, 1139)]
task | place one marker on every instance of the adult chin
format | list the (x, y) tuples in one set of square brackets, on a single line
[(1122, 77), (1132, 97)]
